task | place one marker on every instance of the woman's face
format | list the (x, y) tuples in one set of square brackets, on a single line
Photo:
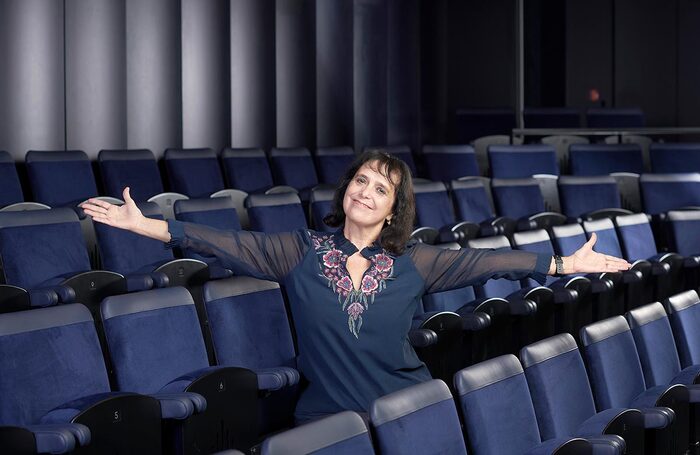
[(369, 198)]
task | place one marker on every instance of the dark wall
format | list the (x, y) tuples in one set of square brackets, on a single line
[(637, 53)]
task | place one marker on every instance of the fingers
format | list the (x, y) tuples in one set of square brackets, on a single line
[(614, 264)]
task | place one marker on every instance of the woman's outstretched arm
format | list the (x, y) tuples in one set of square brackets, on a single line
[(256, 254), (127, 216), (449, 269)]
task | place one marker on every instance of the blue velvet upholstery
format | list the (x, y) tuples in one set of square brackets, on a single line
[(39, 247), (60, 179), (498, 413), (418, 419), (568, 238), (449, 162), (235, 309), (193, 172), (155, 340), (517, 198), (10, 188), (275, 213), (293, 167), (143, 255), (580, 195), (136, 169), (247, 169), (451, 300), (48, 357), (607, 242), (636, 236), (684, 315), (656, 346), (664, 192), (614, 118), (613, 365), (319, 209), (669, 158), (433, 205), (331, 163), (522, 161), (560, 389), (602, 159), (344, 433), (471, 200), (684, 226)]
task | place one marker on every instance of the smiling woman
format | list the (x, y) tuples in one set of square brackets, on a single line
[(353, 293)]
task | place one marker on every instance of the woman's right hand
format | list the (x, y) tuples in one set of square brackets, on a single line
[(126, 216)]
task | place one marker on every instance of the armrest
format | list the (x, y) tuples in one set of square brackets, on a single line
[(562, 294), (474, 322), (607, 444), (657, 418), (420, 338), (176, 406), (521, 307), (600, 284), (691, 262), (139, 282), (660, 268), (632, 276), (59, 438), (160, 279), (270, 379)]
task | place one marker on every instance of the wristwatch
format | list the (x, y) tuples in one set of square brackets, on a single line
[(559, 265)]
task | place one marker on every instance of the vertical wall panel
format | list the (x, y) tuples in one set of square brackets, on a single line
[(589, 51), (295, 38), (482, 54), (334, 69), (31, 76), (206, 84), (403, 103), (433, 63), (645, 58), (153, 74), (95, 75), (370, 72), (253, 73), (688, 63)]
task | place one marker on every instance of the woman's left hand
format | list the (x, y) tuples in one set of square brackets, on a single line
[(585, 260)]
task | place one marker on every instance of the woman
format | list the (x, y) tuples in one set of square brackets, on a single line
[(353, 292)]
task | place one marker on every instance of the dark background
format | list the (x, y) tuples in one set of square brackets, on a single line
[(94, 74)]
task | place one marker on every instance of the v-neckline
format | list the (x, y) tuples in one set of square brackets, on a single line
[(362, 276)]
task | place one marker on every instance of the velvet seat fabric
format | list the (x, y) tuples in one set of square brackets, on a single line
[(136, 169), (445, 163), (193, 172)]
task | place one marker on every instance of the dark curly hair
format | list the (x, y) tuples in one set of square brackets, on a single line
[(393, 237)]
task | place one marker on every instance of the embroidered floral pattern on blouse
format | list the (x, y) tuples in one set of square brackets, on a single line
[(333, 268)]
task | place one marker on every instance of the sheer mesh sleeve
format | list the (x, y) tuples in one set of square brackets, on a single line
[(264, 256), (449, 269)]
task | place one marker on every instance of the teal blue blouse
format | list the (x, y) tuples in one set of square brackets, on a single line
[(353, 337)]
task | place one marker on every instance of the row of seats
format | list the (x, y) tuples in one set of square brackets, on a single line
[(626, 391), (155, 367), (544, 407), (60, 178)]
